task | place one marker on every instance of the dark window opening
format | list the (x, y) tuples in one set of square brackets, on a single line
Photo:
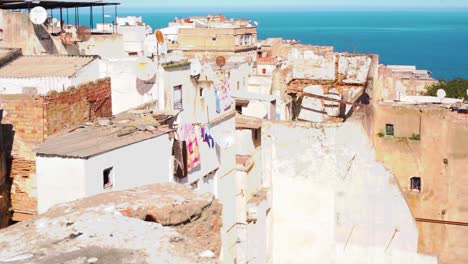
[(201, 92), (263, 71), (389, 130), (239, 109), (178, 105), (214, 39), (107, 175), (416, 183)]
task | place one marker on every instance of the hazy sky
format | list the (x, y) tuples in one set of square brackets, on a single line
[(297, 3)]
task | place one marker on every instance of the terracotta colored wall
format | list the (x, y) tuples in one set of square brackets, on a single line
[(78, 105), (33, 119), (443, 196)]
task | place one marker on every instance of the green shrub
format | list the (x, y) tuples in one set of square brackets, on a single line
[(415, 137), (455, 88), (381, 134)]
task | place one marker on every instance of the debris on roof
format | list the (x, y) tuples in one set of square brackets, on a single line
[(104, 135)]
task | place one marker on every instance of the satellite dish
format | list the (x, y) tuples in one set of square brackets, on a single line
[(54, 20), (159, 36), (195, 67), (145, 69), (83, 34), (441, 94), (256, 23), (220, 61), (38, 15)]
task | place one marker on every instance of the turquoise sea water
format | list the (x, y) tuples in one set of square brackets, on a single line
[(433, 40)]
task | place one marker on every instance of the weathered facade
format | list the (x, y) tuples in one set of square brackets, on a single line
[(426, 147), (34, 118)]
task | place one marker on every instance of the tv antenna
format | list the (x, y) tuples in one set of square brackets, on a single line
[(38, 15)]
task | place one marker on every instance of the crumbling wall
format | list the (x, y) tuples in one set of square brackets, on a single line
[(332, 202), (78, 105), (164, 223), (33, 119)]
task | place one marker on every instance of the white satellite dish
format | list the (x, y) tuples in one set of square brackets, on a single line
[(195, 67), (38, 15), (145, 69), (441, 94), (256, 23), (54, 20)]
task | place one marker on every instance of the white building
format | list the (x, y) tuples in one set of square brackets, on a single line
[(125, 152), (42, 74)]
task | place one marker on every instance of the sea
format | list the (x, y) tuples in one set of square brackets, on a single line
[(436, 40)]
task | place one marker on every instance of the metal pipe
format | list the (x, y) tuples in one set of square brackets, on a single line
[(434, 221)]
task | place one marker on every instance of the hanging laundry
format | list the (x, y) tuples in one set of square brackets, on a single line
[(179, 151), (193, 154), (206, 136), (188, 134)]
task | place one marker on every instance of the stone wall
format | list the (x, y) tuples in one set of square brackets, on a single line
[(33, 119)]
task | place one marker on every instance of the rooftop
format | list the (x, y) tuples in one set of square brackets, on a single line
[(104, 135), (44, 66), (51, 4)]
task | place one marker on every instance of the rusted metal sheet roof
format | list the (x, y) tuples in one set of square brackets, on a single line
[(44, 66), (93, 139)]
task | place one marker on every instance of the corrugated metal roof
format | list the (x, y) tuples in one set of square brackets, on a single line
[(44, 66), (92, 140)]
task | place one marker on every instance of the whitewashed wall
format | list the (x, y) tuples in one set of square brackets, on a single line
[(143, 163), (332, 202), (125, 94), (59, 180)]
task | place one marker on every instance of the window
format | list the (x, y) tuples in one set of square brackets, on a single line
[(201, 91), (213, 38), (178, 97), (238, 85), (389, 130), (108, 178), (415, 184), (263, 71)]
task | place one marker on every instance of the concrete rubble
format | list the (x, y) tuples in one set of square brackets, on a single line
[(163, 223)]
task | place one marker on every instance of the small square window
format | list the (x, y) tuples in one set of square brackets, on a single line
[(415, 184), (389, 130), (108, 178)]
